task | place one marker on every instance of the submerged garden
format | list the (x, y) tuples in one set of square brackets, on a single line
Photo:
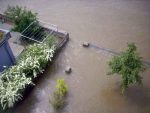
[(30, 63), (41, 46)]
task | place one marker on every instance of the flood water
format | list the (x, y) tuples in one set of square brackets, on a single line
[(104, 23)]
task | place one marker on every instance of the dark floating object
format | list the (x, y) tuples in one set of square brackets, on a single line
[(68, 70), (85, 44)]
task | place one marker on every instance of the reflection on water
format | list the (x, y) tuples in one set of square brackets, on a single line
[(105, 23)]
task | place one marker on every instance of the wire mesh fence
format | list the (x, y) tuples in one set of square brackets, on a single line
[(38, 31)]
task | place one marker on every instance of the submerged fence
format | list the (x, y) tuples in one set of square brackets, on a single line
[(112, 52), (63, 35)]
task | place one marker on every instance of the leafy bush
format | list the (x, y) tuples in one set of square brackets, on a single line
[(15, 79), (51, 40), (57, 101), (59, 94), (11, 87), (35, 58), (21, 17), (129, 65), (61, 87)]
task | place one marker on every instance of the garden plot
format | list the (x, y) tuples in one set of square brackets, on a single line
[(19, 41), (38, 32), (39, 44)]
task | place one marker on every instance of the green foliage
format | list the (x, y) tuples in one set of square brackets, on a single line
[(129, 65), (51, 40), (1, 35), (37, 52), (61, 87), (59, 94), (36, 32), (35, 58), (12, 12), (58, 101), (11, 86), (15, 79), (30, 63), (21, 17)]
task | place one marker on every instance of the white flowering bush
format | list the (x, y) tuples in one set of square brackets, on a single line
[(15, 79), (35, 58), (11, 88)]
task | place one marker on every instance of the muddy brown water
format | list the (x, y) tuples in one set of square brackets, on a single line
[(104, 23)]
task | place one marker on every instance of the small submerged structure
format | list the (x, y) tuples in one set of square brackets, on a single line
[(85, 44), (7, 58), (68, 70)]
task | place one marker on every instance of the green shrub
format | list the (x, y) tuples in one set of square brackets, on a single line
[(15, 79), (12, 12), (11, 87), (61, 87), (51, 40), (30, 63), (129, 65), (21, 17), (35, 58), (59, 94), (57, 101)]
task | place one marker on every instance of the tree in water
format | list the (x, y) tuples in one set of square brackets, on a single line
[(129, 65)]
